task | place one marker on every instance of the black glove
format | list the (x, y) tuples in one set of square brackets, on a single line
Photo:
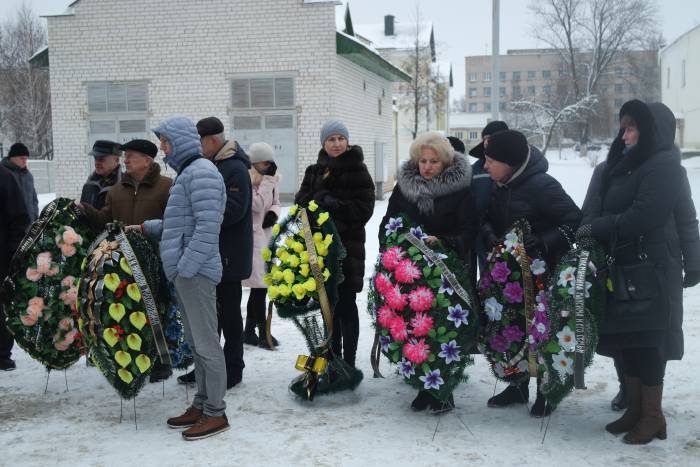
[(583, 236), (326, 200), (691, 279), (272, 170), (490, 240), (534, 245), (269, 220)]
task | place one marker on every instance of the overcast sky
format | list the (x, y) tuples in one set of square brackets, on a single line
[(462, 27)]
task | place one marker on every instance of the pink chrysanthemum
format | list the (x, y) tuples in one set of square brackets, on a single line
[(395, 299), (385, 315), (422, 323), (416, 352), (420, 299), (392, 257), (406, 272), (382, 283), (397, 328)]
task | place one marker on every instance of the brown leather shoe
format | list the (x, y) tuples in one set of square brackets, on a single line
[(205, 427), (652, 423), (629, 419), (187, 419)]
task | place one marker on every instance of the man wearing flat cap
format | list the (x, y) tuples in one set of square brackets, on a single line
[(235, 241), (141, 194), (107, 172)]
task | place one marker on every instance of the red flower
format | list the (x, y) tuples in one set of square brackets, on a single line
[(422, 323), (397, 328)]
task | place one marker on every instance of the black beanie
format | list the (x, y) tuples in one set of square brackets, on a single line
[(457, 144), (509, 147), (18, 149), (490, 128)]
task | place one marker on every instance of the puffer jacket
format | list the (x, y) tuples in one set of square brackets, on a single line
[(25, 180), (266, 198), (189, 230)]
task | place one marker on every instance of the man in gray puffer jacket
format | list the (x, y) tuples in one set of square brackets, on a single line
[(189, 249)]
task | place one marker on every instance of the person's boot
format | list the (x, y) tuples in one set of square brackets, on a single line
[(619, 402), (652, 423), (187, 378), (513, 394), (160, 372), (187, 419), (205, 427), (631, 416), (438, 407), (422, 401), (541, 407), (249, 336), (6, 363), (262, 343)]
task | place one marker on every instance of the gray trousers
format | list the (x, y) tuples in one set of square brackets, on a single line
[(196, 297)]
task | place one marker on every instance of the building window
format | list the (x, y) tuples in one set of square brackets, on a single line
[(530, 75), (619, 71), (619, 88), (263, 93), (683, 73), (379, 105), (473, 135), (472, 107), (633, 89), (516, 76), (516, 91), (502, 91), (487, 91), (117, 110), (487, 107), (472, 92), (459, 134), (502, 106), (472, 76), (668, 77), (487, 76), (502, 75), (547, 89), (546, 74), (531, 90)]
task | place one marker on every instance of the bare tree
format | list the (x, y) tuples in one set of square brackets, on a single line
[(24, 90), (590, 35)]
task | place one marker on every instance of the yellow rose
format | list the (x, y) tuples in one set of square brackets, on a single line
[(273, 292), (322, 250), (318, 237), (310, 284), (298, 247), (293, 261), (293, 209), (284, 290), (288, 276), (304, 270), (266, 254), (276, 229), (267, 279), (323, 217), (277, 275), (304, 257), (283, 255), (289, 242), (313, 206), (320, 262), (326, 275), (299, 291)]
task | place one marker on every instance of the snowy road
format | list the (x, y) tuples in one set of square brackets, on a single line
[(371, 426)]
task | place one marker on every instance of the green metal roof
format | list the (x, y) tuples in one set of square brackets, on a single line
[(360, 54)]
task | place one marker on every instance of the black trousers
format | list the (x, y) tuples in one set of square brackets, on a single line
[(255, 311), (6, 339), (346, 326), (645, 363), (228, 297)]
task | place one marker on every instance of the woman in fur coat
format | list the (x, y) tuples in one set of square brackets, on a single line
[(433, 191)]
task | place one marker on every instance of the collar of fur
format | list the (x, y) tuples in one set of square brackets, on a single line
[(353, 157), (422, 192), (227, 150)]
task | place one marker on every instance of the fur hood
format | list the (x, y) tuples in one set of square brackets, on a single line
[(423, 192)]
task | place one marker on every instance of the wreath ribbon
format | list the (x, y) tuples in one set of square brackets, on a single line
[(529, 294), (579, 310)]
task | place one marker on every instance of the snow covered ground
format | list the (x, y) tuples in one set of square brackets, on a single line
[(371, 426)]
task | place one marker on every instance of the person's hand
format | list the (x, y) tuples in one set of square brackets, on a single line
[(691, 279), (80, 206), (133, 228), (269, 219), (534, 245), (583, 236), (326, 200), (430, 239)]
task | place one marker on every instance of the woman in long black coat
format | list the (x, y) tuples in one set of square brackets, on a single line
[(340, 183), (433, 191), (629, 208), (525, 191)]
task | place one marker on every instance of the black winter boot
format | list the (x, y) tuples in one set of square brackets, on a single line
[(160, 372), (620, 401), (422, 401), (513, 394), (438, 407), (187, 378)]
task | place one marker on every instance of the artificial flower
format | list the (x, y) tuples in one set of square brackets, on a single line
[(326, 275), (310, 284), (328, 239), (67, 250), (392, 257), (563, 364), (133, 291), (299, 291), (407, 272), (420, 299), (457, 315), (513, 333), (406, 368), (112, 281), (418, 232), (134, 342), (395, 299), (382, 283), (394, 224), (500, 272), (499, 343), (323, 217), (304, 257), (385, 315), (513, 292), (417, 351), (293, 209), (67, 281), (143, 363), (422, 323), (122, 358), (432, 380), (125, 375), (445, 287), (70, 236), (538, 267), (485, 280), (33, 275), (586, 292), (304, 270), (66, 324), (138, 319), (277, 274), (43, 262), (273, 292), (61, 346), (511, 241), (267, 279), (298, 247), (293, 260), (124, 265), (284, 290), (398, 330), (567, 339), (450, 351), (266, 254), (275, 231), (111, 336), (567, 276), (493, 309), (288, 276), (117, 311), (313, 206), (384, 342)]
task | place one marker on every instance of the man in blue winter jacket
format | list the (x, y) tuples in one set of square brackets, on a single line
[(189, 250)]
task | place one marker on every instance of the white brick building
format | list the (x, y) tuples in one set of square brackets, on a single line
[(271, 71)]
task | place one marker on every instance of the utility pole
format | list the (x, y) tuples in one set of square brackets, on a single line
[(495, 60)]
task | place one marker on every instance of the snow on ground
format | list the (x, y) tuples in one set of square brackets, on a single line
[(371, 426)]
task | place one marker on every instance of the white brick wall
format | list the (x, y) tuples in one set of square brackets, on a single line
[(188, 50)]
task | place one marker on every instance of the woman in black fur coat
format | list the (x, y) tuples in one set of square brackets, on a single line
[(340, 183)]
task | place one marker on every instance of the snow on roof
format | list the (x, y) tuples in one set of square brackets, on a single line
[(404, 34), (469, 119)]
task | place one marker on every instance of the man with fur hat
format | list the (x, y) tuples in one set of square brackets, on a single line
[(235, 241), (16, 164), (107, 173)]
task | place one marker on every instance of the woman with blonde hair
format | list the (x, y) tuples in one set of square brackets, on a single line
[(266, 210), (433, 191)]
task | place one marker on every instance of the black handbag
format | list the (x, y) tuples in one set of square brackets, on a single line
[(636, 300)]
